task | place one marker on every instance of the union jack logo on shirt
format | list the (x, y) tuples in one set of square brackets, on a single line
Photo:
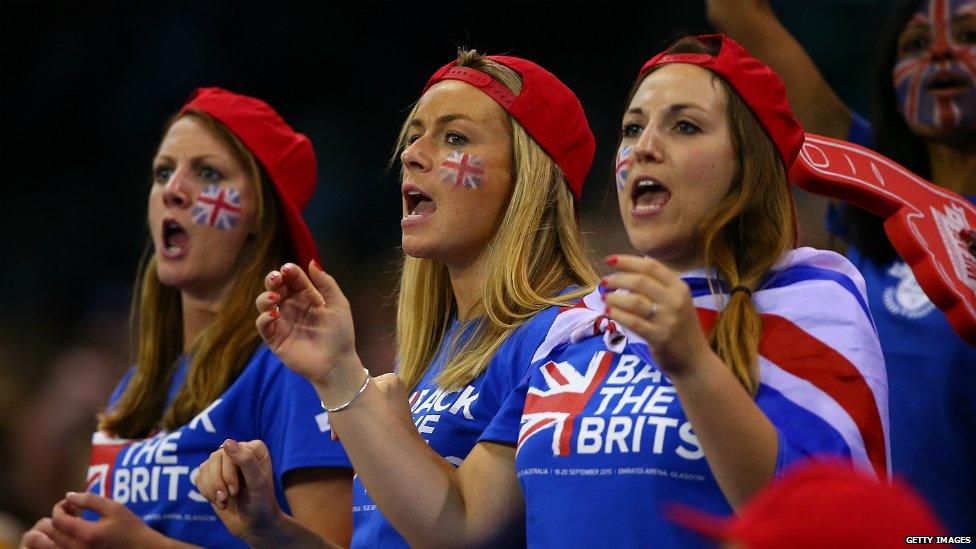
[(559, 405), (462, 169), (217, 207)]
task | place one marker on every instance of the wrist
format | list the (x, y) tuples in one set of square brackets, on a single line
[(340, 383), (268, 531)]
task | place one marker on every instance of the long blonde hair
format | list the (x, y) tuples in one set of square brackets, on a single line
[(536, 253), (222, 349), (747, 233)]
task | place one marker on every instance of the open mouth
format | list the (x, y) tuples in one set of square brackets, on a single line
[(175, 239), (418, 204), (648, 196), (945, 81)]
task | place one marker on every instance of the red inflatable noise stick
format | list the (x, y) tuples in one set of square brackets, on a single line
[(933, 229)]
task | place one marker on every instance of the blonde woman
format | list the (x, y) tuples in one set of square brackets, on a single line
[(697, 387), (494, 155), (228, 182)]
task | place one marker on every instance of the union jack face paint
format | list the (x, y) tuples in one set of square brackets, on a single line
[(623, 166), (217, 207), (461, 169), (935, 73)]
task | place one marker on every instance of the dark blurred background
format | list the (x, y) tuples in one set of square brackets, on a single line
[(87, 87)]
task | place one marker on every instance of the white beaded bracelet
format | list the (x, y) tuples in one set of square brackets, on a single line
[(355, 397)]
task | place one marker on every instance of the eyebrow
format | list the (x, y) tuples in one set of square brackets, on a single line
[(673, 109), (201, 158), (445, 119)]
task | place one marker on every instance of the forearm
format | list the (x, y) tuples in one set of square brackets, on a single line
[(739, 441), (754, 25), (413, 487), (286, 532)]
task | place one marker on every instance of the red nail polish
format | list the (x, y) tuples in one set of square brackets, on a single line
[(275, 276), (273, 314), (603, 282), (285, 268), (607, 310), (612, 260), (273, 296), (318, 266)]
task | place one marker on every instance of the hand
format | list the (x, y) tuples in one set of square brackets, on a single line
[(238, 481), (39, 536), (658, 308), (116, 527), (307, 323)]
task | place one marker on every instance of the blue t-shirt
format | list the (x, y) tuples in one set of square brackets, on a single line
[(931, 378), (603, 445), (452, 421), (152, 477)]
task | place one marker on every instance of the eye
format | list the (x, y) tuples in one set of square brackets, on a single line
[(455, 139), (631, 130), (161, 174), (208, 173), (411, 139), (686, 127), (913, 45), (966, 36)]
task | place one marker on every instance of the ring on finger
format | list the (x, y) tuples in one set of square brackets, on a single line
[(653, 311)]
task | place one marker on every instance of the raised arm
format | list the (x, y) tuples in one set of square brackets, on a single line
[(308, 324), (753, 24)]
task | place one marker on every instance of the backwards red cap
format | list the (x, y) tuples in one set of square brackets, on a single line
[(756, 83), (285, 154), (548, 110), (820, 504)]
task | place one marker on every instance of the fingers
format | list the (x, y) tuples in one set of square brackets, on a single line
[(252, 459), (326, 285), (641, 284), (294, 281), (39, 537), (634, 303), (643, 265), (68, 528), (93, 502), (211, 479)]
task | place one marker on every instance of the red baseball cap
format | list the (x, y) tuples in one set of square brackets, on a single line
[(548, 110), (285, 154), (757, 84), (820, 504)]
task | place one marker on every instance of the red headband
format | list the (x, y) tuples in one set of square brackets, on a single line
[(548, 110), (758, 86)]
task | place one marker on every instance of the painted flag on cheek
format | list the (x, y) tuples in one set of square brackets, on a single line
[(623, 166), (217, 207), (462, 169)]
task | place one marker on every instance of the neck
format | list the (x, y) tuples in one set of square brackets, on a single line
[(198, 312), (953, 167), (468, 283)]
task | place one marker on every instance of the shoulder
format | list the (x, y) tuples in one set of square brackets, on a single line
[(821, 279)]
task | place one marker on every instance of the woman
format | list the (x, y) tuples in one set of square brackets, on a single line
[(229, 179), (494, 155), (924, 103), (599, 433)]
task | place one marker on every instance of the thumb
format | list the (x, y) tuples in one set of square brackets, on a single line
[(325, 284), (248, 458)]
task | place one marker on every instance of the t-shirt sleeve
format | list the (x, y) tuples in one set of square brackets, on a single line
[(504, 427), (294, 426), (120, 388)]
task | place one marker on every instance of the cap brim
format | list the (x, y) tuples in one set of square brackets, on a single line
[(713, 526)]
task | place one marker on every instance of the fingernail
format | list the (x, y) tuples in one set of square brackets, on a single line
[(316, 264), (231, 446), (603, 282), (221, 496), (275, 276), (286, 268), (232, 489), (607, 311), (612, 260), (69, 494), (273, 296), (273, 313)]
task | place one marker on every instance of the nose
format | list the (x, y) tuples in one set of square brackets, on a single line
[(647, 148), (941, 51), (175, 192), (416, 157)]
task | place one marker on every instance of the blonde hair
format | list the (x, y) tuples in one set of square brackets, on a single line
[(536, 253), (747, 233), (223, 347)]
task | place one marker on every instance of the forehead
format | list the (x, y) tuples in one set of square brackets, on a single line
[(679, 83), (190, 133), (452, 97), (948, 7)]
